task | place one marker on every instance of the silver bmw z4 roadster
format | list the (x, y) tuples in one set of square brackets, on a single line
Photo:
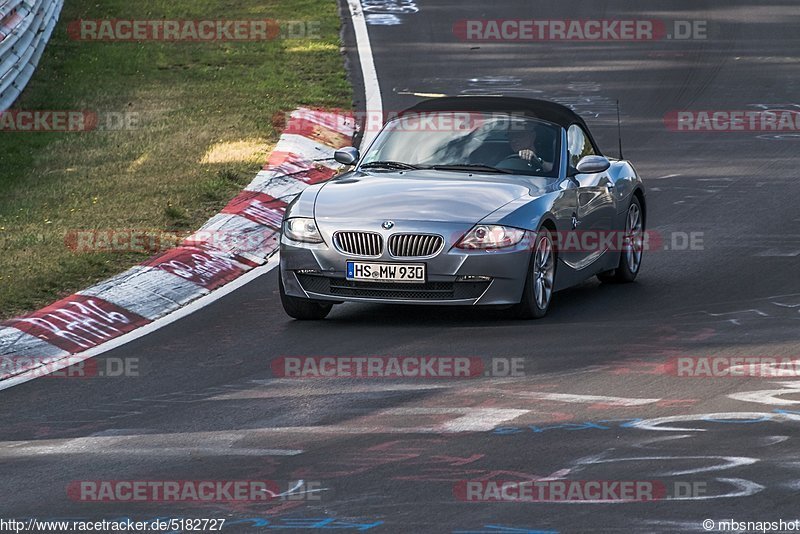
[(465, 201)]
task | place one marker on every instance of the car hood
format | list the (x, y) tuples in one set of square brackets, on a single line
[(420, 196)]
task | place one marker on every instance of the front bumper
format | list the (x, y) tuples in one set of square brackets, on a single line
[(318, 273)]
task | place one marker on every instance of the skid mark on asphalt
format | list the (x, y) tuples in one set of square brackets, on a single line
[(422, 459)]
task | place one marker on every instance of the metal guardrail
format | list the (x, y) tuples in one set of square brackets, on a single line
[(25, 28)]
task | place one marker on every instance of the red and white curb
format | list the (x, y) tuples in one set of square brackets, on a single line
[(233, 247)]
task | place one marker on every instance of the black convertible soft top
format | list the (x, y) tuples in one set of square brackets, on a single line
[(530, 107), (540, 109)]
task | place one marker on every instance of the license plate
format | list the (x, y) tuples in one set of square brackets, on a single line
[(386, 272)]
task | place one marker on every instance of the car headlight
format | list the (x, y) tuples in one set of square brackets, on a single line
[(302, 229), (491, 236)]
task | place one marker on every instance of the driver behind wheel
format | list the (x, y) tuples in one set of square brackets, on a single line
[(523, 143)]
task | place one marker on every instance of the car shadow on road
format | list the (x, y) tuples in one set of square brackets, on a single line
[(587, 302)]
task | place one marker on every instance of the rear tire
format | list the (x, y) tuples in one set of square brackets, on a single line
[(630, 260), (300, 308), (540, 280)]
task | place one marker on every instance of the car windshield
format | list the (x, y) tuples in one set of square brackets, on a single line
[(467, 142)]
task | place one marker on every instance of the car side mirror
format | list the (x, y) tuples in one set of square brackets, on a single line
[(348, 155), (593, 164)]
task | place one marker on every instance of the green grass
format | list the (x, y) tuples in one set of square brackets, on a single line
[(205, 125)]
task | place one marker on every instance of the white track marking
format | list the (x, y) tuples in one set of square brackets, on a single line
[(655, 423), (209, 443), (779, 253), (294, 491), (471, 420), (734, 321), (422, 95), (725, 462), (482, 420), (158, 324), (646, 444), (298, 388), (719, 463), (786, 305), (588, 399), (767, 441), (770, 397), (372, 89), (25, 451)]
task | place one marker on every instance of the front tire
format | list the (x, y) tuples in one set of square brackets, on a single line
[(540, 280), (300, 308), (630, 261)]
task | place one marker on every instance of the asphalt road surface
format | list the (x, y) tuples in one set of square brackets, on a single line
[(597, 400)]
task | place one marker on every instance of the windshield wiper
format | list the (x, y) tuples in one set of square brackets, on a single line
[(389, 165), (470, 167)]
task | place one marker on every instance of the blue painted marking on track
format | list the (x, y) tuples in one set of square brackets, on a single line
[(625, 423)]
